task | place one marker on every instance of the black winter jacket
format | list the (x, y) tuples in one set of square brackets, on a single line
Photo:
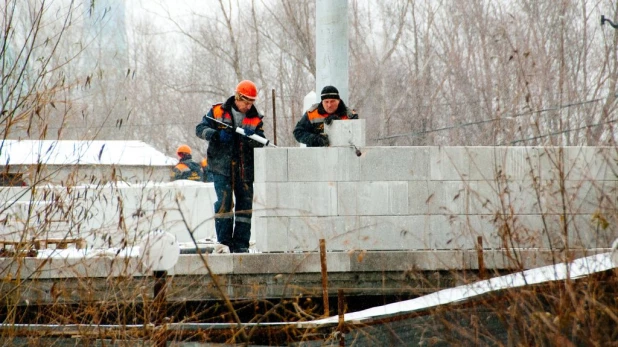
[(239, 151)]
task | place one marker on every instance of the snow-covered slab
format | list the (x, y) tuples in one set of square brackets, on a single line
[(579, 268), (68, 152)]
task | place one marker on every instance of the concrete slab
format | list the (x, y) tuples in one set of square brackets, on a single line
[(289, 263), (191, 264)]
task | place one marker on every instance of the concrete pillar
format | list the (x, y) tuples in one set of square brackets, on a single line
[(331, 43)]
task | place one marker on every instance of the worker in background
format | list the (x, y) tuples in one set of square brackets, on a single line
[(310, 128), (230, 163), (186, 169)]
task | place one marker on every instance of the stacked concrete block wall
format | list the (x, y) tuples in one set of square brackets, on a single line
[(410, 198), (113, 215), (72, 175)]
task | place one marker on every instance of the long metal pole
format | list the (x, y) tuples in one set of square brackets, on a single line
[(274, 119), (324, 277)]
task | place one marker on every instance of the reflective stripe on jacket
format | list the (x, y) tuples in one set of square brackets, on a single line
[(187, 169)]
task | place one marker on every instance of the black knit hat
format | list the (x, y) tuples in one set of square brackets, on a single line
[(329, 92)]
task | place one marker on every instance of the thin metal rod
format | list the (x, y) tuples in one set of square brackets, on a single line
[(274, 118), (481, 260), (324, 276), (341, 312)]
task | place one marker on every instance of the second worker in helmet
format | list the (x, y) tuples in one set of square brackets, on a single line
[(230, 163)]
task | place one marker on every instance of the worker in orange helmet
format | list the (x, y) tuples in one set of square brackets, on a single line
[(230, 163), (186, 169)]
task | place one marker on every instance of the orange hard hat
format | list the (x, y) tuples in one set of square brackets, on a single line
[(183, 149), (247, 89), (204, 162)]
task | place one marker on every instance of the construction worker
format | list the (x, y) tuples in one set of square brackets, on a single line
[(310, 128), (186, 169), (230, 163)]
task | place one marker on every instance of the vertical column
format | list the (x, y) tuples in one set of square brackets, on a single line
[(331, 43)]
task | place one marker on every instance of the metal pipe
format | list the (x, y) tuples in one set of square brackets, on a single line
[(274, 118), (324, 277)]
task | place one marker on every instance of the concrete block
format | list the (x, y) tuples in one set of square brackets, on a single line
[(344, 133), (418, 193), (521, 197), (394, 233), (323, 164), (394, 164), (552, 161), (297, 198), (520, 163), (513, 163), (446, 197), (483, 198), (527, 163), (485, 163), (483, 226), (436, 197), (533, 231), (450, 163), (271, 234), (592, 231), (8, 195), (513, 197), (450, 232), (270, 164), (339, 233), (591, 163), (590, 196), (372, 198), (463, 231)]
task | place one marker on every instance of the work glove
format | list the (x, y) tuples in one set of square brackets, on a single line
[(225, 136), (330, 119), (322, 141), (249, 130)]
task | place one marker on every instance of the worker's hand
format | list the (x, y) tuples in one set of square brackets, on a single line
[(322, 140), (225, 136), (249, 130), (330, 119)]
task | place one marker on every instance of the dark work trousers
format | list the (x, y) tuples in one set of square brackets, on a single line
[(233, 229)]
